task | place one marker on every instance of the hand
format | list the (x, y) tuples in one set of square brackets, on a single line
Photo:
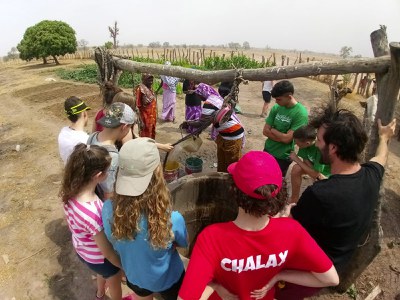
[(259, 294), (388, 130), (293, 156), (167, 147), (184, 125)]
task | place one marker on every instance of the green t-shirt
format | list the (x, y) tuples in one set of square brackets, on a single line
[(284, 119), (313, 154)]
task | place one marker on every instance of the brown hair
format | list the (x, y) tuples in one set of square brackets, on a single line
[(256, 207), (83, 163), (126, 99), (154, 204)]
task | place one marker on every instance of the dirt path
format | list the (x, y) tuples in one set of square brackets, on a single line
[(37, 257)]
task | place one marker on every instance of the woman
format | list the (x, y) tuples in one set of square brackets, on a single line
[(108, 91), (141, 225), (192, 102), (168, 85), (228, 136), (147, 105)]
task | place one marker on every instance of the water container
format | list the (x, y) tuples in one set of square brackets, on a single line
[(193, 165)]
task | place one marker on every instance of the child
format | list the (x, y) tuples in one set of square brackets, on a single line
[(86, 167), (141, 225), (247, 256), (311, 165)]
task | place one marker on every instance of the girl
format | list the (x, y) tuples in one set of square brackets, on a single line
[(141, 225), (86, 167)]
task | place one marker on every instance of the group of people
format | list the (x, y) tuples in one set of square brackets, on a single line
[(119, 209)]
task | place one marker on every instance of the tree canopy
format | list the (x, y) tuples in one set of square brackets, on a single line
[(47, 38)]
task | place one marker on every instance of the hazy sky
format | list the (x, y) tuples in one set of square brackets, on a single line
[(316, 25)]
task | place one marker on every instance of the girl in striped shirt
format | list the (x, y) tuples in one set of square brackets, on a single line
[(86, 167)]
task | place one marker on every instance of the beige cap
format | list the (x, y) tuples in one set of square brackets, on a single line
[(138, 158)]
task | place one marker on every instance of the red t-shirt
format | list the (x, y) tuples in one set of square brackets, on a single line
[(98, 116), (243, 261)]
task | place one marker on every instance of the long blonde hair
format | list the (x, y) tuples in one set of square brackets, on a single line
[(154, 204)]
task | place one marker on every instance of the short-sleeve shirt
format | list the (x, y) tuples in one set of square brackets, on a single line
[(84, 222), (338, 211), (108, 184), (284, 119), (313, 154), (243, 261), (68, 138), (152, 269)]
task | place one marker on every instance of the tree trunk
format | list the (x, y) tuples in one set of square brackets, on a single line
[(55, 60), (44, 60)]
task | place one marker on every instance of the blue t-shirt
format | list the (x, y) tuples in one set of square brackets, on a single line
[(152, 269)]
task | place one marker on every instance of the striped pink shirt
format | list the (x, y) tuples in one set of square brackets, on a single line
[(84, 221)]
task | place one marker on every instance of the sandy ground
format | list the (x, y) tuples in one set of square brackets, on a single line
[(38, 261)]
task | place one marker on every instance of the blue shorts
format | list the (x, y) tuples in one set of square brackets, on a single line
[(105, 269)]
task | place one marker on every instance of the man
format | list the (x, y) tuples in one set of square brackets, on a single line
[(337, 211), (70, 136), (117, 122), (285, 117), (245, 258), (266, 94)]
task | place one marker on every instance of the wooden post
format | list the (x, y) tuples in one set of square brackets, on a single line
[(273, 54), (287, 60), (355, 81), (300, 60), (198, 58), (283, 60)]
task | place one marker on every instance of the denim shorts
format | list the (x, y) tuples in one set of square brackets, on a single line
[(105, 269)]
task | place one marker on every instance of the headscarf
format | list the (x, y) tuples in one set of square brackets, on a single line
[(170, 81), (205, 90)]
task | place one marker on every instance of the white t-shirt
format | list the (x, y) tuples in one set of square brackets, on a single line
[(267, 86), (68, 139)]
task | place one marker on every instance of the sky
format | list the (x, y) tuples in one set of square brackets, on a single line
[(314, 25)]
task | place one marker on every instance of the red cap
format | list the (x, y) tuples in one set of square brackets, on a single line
[(256, 169)]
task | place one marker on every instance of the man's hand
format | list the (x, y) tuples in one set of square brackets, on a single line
[(294, 157), (386, 132)]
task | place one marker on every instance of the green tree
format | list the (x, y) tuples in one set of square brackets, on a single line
[(47, 38), (345, 51), (246, 45), (108, 45)]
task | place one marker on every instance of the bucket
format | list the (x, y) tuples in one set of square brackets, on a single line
[(171, 171), (193, 165), (192, 144)]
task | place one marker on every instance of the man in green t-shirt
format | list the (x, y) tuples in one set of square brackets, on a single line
[(307, 159), (285, 117)]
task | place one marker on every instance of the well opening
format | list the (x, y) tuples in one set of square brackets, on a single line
[(202, 199)]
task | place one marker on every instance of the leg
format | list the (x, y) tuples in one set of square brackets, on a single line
[(139, 292), (265, 109), (114, 284), (296, 178), (101, 286), (172, 292)]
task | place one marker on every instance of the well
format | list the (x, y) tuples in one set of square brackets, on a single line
[(202, 199)]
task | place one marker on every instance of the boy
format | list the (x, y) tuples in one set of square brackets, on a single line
[(307, 160)]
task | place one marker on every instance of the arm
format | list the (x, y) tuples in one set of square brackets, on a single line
[(267, 131), (165, 147), (107, 249), (306, 165), (160, 86), (385, 134), (311, 279), (285, 138), (221, 291)]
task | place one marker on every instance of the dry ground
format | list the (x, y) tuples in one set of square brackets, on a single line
[(37, 257)]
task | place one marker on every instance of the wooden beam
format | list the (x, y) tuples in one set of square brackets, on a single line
[(366, 65)]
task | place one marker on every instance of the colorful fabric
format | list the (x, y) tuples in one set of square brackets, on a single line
[(190, 99), (170, 82), (192, 113), (205, 91), (84, 222), (148, 113), (284, 119), (169, 102), (148, 268), (228, 151), (313, 154), (243, 261)]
